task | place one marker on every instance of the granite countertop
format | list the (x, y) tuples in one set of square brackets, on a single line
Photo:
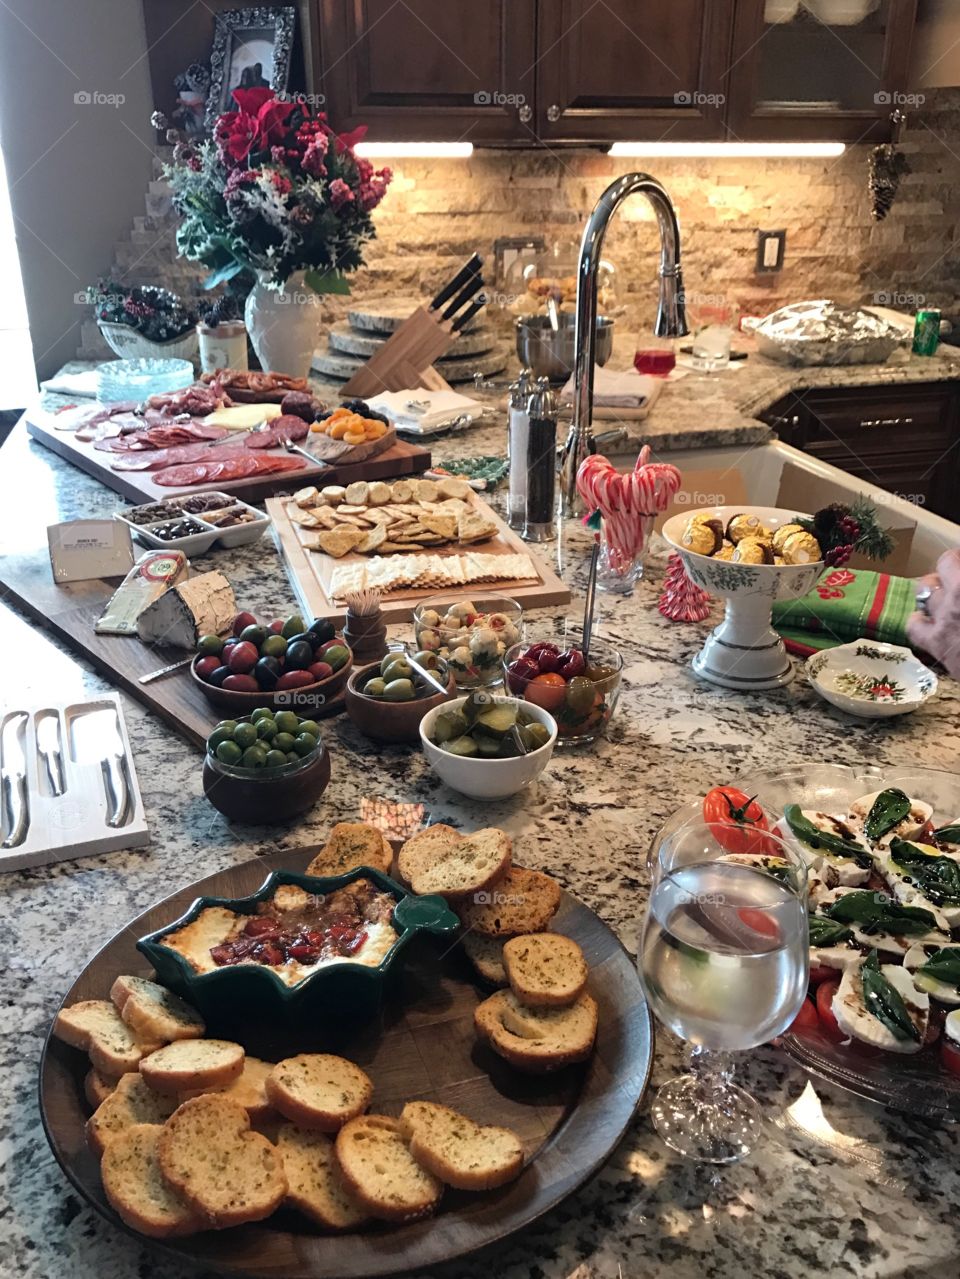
[(838, 1186)]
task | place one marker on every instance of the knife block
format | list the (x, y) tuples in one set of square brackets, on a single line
[(405, 361)]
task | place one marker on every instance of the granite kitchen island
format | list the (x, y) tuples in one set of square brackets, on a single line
[(838, 1187)]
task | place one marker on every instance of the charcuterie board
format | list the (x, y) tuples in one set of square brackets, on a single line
[(401, 458), (312, 572), (421, 1043)]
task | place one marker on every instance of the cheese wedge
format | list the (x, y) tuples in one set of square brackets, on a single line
[(243, 417)]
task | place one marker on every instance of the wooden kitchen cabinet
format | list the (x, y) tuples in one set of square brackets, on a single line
[(429, 70), (627, 71), (816, 74), (905, 439)]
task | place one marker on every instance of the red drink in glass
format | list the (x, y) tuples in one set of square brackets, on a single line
[(658, 361)]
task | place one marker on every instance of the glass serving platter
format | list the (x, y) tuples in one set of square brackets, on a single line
[(915, 1083)]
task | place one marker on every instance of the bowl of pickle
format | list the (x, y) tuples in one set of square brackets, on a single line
[(470, 635), (486, 745), (579, 690)]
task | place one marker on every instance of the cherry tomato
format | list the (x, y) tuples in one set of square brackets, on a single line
[(821, 972), (758, 921), (547, 690), (806, 1019), (950, 1056), (934, 1027), (736, 820), (828, 1023)]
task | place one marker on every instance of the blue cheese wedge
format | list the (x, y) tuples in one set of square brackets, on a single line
[(914, 960), (203, 605), (855, 1019)]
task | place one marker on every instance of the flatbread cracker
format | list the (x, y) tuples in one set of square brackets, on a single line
[(373, 540), (474, 527), (443, 525), (339, 541)]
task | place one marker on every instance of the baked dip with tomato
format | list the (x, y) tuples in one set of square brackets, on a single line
[(293, 933)]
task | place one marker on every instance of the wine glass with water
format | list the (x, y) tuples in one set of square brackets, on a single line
[(724, 961)]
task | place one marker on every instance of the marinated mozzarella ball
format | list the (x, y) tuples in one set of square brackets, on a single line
[(429, 639), (430, 617), (484, 640), (462, 656)]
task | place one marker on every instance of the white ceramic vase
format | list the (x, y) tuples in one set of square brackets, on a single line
[(284, 325)]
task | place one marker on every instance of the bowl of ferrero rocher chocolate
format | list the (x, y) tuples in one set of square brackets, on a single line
[(757, 550)]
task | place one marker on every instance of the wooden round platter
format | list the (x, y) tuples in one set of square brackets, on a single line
[(422, 1045)]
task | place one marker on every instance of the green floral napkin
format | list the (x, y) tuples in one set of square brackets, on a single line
[(846, 604)]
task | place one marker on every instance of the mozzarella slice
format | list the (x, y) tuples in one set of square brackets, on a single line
[(855, 1020), (911, 825), (915, 958), (839, 957), (951, 1026), (830, 867), (904, 889)]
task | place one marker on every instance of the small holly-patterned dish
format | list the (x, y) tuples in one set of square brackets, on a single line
[(871, 679)]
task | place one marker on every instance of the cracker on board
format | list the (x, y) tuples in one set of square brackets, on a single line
[(339, 541), (373, 539)]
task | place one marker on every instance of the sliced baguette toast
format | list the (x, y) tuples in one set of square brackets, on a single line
[(192, 1064), (545, 970), (153, 1012), (522, 901), (537, 1040), (95, 1026), (132, 1102), (423, 848), (97, 1088), (486, 955), (248, 1090), (209, 1156), (352, 844), (318, 1090), (459, 1152), (381, 1173), (314, 1182), (136, 1190), (460, 869)]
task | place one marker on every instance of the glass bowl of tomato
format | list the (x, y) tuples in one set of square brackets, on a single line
[(580, 693)]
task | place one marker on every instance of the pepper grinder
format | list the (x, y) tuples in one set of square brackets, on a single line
[(518, 424), (543, 407)]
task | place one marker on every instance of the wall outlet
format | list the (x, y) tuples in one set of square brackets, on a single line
[(771, 249)]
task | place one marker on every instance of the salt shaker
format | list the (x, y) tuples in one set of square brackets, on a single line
[(541, 464), (518, 422)]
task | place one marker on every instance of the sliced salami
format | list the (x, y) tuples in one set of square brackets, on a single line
[(157, 459), (238, 467), (287, 427)]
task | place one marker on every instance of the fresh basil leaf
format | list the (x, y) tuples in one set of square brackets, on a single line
[(944, 966), (890, 807), (866, 909), (937, 877), (828, 932), (811, 835), (884, 1000), (950, 834)]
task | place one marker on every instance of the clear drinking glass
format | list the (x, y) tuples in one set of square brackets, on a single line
[(712, 333), (724, 962)]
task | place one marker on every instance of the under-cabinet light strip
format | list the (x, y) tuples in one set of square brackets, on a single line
[(733, 150), (414, 150)]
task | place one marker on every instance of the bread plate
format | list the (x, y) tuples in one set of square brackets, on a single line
[(421, 1043)]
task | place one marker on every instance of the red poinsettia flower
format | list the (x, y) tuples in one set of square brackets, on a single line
[(347, 141), (259, 124), (840, 577)]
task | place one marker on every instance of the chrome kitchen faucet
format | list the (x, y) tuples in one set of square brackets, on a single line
[(671, 316)]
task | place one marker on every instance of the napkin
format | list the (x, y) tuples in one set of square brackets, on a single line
[(83, 385), (420, 411), (846, 604), (619, 389)]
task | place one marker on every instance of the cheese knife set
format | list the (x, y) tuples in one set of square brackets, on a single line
[(67, 784)]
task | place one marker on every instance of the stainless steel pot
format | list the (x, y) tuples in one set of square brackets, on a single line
[(552, 354)]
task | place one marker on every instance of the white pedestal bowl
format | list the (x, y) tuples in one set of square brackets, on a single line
[(744, 651)]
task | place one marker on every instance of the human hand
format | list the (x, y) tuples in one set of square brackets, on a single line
[(935, 627)]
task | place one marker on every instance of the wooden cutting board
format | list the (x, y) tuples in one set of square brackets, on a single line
[(70, 612), (402, 458), (310, 572)]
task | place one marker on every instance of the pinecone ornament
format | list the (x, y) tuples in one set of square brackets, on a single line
[(682, 600), (887, 166)]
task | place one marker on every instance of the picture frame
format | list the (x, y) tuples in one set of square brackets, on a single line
[(251, 48)]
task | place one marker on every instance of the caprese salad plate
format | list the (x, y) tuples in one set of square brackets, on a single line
[(882, 1016)]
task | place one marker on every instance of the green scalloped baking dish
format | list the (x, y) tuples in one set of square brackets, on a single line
[(347, 988)]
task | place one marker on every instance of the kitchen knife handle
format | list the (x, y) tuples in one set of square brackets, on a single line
[(54, 773), (470, 312), (15, 797), (468, 269), (118, 792), (463, 297)]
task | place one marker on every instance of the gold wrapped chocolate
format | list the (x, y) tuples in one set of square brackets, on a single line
[(743, 525), (703, 538), (750, 550), (725, 552), (782, 533), (801, 548)]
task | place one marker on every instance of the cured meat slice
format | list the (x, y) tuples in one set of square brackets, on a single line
[(162, 437), (242, 465), (196, 400), (287, 427), (157, 459), (88, 419)]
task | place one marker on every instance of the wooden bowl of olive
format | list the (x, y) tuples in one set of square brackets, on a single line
[(387, 700)]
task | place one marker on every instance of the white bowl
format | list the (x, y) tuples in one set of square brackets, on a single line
[(780, 11), (488, 778), (841, 13), (870, 679), (744, 651)]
